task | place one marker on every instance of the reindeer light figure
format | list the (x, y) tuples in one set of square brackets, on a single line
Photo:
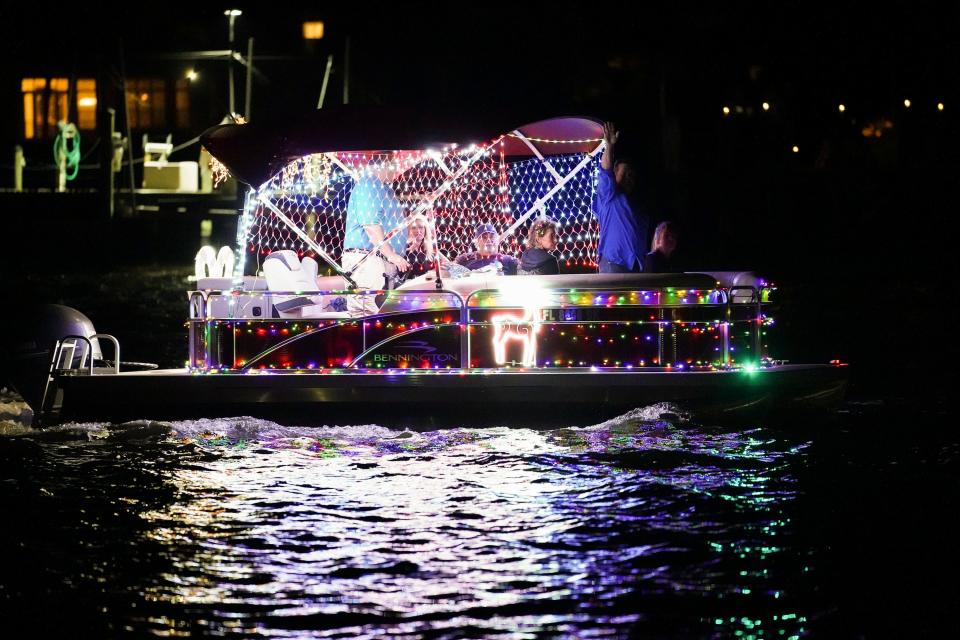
[(520, 328)]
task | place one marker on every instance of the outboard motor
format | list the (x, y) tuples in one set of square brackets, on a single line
[(27, 353)]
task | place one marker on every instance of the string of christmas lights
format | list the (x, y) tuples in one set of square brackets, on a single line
[(456, 190)]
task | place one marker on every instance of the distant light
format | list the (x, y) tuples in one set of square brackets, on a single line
[(907, 103), (939, 106), (191, 75), (726, 111), (795, 149), (738, 109), (766, 106), (313, 30), (841, 108), (233, 12), (87, 102)]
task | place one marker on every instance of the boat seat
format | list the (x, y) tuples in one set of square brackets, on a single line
[(286, 273), (331, 283)]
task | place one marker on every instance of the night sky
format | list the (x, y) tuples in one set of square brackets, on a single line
[(800, 55)]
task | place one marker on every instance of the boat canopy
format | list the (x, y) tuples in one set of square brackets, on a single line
[(255, 152), (451, 171)]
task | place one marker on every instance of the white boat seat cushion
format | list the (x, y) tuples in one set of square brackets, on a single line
[(286, 273)]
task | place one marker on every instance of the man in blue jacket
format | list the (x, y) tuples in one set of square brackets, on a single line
[(623, 229)]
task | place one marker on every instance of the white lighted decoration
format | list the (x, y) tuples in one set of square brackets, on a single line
[(520, 328), (219, 171), (208, 264), (304, 206)]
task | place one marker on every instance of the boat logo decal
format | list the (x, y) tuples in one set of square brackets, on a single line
[(421, 349)]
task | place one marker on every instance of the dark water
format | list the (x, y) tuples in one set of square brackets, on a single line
[(650, 525), (639, 526)]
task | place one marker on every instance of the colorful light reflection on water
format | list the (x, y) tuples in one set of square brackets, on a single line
[(241, 526)]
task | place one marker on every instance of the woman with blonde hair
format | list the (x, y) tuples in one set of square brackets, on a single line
[(541, 240), (661, 249)]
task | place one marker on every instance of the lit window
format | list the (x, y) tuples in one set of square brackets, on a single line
[(87, 103), (313, 30), (45, 102)]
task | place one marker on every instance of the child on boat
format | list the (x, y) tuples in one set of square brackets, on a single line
[(541, 240)]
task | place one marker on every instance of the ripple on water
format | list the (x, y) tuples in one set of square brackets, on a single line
[(241, 524)]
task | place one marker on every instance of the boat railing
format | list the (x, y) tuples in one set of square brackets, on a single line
[(600, 296), (64, 354), (758, 297), (229, 305), (198, 305), (224, 325), (234, 305)]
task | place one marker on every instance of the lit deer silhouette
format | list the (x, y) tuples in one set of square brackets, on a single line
[(523, 329)]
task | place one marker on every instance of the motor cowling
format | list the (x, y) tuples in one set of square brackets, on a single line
[(28, 349)]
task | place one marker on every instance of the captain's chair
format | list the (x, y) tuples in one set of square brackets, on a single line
[(286, 273)]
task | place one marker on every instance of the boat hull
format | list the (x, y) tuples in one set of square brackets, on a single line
[(446, 398)]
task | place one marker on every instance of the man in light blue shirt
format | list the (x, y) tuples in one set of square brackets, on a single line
[(623, 231), (373, 212)]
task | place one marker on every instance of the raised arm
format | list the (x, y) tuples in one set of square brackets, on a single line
[(610, 137)]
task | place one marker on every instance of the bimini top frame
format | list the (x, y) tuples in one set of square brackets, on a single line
[(441, 140)]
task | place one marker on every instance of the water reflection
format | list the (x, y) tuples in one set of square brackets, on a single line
[(639, 523), (648, 524)]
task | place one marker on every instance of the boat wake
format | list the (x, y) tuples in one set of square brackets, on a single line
[(243, 431), (661, 427), (662, 411)]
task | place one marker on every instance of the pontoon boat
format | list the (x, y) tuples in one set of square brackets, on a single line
[(272, 332)]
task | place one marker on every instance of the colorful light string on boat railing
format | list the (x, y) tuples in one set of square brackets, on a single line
[(621, 344), (573, 297)]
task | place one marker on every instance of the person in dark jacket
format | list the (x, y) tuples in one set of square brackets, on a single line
[(541, 240), (661, 250), (486, 239)]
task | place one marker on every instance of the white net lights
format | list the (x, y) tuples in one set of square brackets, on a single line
[(457, 188)]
